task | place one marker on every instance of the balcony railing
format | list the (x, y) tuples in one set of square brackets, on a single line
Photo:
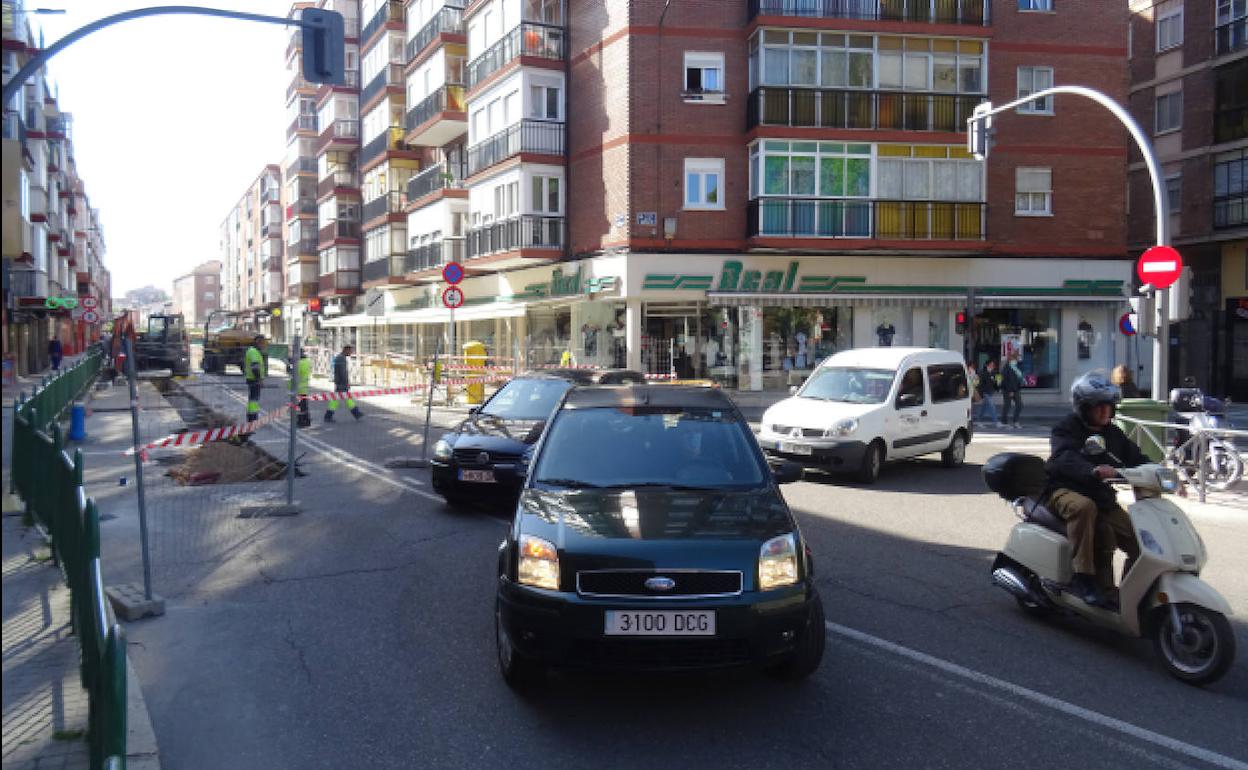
[(28, 283), (449, 97), (932, 11), (523, 232), (301, 166), (1230, 125), (835, 108), (338, 131), (1230, 37), (304, 247), (339, 229), (302, 123), (386, 267), (528, 39), (1230, 211), (298, 82), (302, 205), (863, 218), (339, 280), (334, 181), (390, 75), (271, 230), (390, 203), (391, 11), (432, 256), (436, 178), (390, 139), (526, 136), (449, 19)]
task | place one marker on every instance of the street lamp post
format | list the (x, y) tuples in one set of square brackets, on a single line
[(978, 140)]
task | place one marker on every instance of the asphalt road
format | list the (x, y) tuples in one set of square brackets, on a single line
[(359, 634)]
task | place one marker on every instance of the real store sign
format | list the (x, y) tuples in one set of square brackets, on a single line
[(733, 277)]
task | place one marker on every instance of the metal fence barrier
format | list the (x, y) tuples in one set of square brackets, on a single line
[(1174, 454), (50, 483)]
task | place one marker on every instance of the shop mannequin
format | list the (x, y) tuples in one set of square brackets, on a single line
[(885, 332)]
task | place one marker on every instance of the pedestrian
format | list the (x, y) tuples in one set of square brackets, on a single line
[(972, 377), (1012, 390), (55, 353), (303, 371), (988, 386), (255, 368), (342, 384), (1121, 376)]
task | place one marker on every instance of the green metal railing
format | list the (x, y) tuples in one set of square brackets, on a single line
[(50, 483)]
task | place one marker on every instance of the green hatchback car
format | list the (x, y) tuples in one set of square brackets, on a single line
[(651, 534)]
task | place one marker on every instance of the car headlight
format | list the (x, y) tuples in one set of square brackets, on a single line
[(843, 427), (442, 450), (539, 563), (777, 562), (1167, 479)]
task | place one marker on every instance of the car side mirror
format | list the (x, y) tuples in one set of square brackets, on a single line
[(793, 390), (787, 473), (907, 400)]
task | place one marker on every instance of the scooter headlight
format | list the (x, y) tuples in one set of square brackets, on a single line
[(1167, 479)]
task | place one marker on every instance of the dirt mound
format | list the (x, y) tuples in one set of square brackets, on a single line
[(223, 462)]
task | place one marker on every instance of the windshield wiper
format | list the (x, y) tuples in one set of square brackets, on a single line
[(666, 485), (569, 483)]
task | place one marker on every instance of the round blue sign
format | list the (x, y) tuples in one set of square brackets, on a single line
[(1125, 325), (453, 273)]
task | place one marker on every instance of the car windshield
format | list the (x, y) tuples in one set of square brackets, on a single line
[(524, 399), (849, 384), (630, 447)]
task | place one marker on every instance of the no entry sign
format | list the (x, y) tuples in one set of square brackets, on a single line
[(453, 297), (1161, 266)]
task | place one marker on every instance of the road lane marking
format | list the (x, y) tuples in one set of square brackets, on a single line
[(1070, 709)]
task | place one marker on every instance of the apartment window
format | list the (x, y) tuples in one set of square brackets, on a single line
[(546, 195), (1230, 189), (1033, 192), (209, 296), (703, 181), (544, 102), (1174, 194), (1169, 26), (1169, 112), (506, 200), (1032, 80), (928, 173), (1035, 5), (1231, 30), (704, 73)]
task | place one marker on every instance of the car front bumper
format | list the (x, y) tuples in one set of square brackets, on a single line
[(567, 630), (444, 475), (845, 454)]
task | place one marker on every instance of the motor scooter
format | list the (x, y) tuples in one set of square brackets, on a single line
[(1223, 465), (1161, 597)]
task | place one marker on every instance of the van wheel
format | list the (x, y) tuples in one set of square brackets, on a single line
[(872, 463), (955, 454)]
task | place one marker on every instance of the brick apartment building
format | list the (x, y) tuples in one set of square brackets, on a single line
[(198, 293), (729, 189), (1189, 88), (253, 254)]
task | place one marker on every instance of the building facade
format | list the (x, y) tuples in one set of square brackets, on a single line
[(735, 189), (252, 248), (55, 282), (198, 293), (1189, 89)]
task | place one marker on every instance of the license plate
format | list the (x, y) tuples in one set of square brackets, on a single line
[(486, 477), (660, 623), (795, 449)]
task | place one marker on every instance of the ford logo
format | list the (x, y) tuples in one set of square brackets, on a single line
[(483, 458), (660, 583)]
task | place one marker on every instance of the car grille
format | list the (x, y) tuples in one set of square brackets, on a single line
[(785, 430), (658, 654), (469, 456), (633, 583)]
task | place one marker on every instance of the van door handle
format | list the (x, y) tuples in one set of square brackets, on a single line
[(923, 413)]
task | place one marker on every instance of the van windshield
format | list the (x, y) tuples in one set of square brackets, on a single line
[(849, 384)]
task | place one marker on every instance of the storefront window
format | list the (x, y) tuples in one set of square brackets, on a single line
[(550, 335), (796, 339), (1032, 334), (598, 334)]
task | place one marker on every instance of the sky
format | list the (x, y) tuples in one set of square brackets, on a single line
[(174, 116)]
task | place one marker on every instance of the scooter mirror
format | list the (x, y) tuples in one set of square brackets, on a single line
[(1095, 445)]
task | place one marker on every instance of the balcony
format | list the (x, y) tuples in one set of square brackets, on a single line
[(390, 139), (432, 256), (304, 247), (302, 123), (448, 20), (301, 166), (391, 11), (339, 282), (537, 136), (301, 207), (271, 230), (336, 230), (439, 118), (929, 11), (340, 134), (337, 181), (523, 232), (299, 291), (528, 39), (1230, 125), (863, 218), (298, 84), (1230, 37), (28, 283), (834, 108), (435, 178), (390, 203), (390, 75), (393, 266)]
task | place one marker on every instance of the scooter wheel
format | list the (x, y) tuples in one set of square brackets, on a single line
[(1223, 469), (1201, 651)]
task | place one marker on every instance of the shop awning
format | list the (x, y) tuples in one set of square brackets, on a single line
[(738, 299), (1034, 302), (432, 315)]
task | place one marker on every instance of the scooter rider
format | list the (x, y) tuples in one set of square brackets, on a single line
[(1077, 491)]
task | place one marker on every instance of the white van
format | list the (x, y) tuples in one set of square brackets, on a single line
[(860, 408)]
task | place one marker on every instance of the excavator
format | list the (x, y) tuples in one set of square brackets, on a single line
[(227, 335), (164, 345)]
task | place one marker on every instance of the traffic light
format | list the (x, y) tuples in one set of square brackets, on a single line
[(1180, 307), (960, 322), (1145, 310), (314, 305), (323, 57)]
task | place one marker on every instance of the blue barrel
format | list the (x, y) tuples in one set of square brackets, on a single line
[(78, 422)]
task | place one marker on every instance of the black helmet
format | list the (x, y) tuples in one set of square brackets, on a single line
[(1092, 389)]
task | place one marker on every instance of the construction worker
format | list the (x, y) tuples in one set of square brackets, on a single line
[(342, 384), (255, 368), (303, 371)]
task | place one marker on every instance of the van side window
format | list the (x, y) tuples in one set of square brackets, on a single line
[(948, 382), (911, 385)]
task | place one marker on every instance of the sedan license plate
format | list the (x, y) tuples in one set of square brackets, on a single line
[(795, 449), (660, 623), (486, 477)]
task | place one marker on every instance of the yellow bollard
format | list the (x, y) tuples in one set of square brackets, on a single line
[(474, 356)]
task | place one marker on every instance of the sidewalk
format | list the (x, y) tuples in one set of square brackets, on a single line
[(45, 706)]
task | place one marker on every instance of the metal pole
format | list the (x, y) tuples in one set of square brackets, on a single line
[(138, 468), (1200, 463), (968, 342), (424, 446), (294, 420)]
